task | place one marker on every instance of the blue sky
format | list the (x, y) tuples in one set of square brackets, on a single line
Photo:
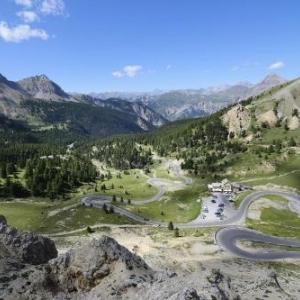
[(141, 45)]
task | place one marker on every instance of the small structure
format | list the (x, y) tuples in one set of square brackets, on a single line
[(225, 186), (215, 187)]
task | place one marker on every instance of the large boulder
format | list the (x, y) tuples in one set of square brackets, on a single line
[(100, 269), (29, 248), (94, 264)]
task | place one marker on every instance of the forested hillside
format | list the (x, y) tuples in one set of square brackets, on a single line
[(55, 158)]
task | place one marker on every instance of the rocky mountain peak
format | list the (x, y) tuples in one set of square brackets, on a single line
[(42, 77), (42, 87), (273, 79)]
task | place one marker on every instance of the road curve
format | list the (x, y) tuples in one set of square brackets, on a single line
[(226, 237)]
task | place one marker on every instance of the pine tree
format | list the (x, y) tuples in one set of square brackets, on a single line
[(170, 226)]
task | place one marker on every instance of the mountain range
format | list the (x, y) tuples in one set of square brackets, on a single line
[(192, 103), (42, 104)]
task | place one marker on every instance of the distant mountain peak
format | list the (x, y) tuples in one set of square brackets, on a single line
[(42, 77), (40, 86), (273, 78)]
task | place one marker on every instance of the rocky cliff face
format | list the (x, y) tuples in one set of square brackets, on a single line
[(146, 116), (41, 87)]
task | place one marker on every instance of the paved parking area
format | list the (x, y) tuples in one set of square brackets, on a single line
[(218, 202)]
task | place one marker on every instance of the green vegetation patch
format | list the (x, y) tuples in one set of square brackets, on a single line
[(276, 198), (287, 174), (25, 215), (278, 222), (130, 185), (34, 216), (179, 206)]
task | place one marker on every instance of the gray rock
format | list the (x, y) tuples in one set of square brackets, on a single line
[(85, 267), (191, 294), (29, 248)]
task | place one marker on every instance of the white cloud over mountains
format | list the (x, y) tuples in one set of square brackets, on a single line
[(32, 11), (20, 33), (277, 65), (128, 71)]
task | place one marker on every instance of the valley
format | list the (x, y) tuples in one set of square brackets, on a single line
[(149, 150), (149, 188)]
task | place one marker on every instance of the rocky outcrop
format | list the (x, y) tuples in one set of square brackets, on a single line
[(41, 87), (98, 263), (237, 119), (28, 248), (101, 269)]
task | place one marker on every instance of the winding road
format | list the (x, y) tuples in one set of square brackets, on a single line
[(231, 229)]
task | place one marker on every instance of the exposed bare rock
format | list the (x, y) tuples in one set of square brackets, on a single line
[(191, 294), (98, 264), (100, 269), (268, 117), (26, 247), (237, 119), (41, 87)]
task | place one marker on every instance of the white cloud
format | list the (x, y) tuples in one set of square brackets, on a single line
[(28, 16), (52, 7), (26, 3), (277, 65), (20, 33), (128, 71), (118, 74), (168, 67), (132, 70)]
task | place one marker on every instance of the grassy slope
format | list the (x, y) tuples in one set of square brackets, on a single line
[(130, 186), (277, 222), (287, 174), (33, 215), (179, 206)]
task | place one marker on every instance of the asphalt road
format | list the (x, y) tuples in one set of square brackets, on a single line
[(226, 237)]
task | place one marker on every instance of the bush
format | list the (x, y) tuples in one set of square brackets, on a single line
[(171, 226), (89, 230)]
